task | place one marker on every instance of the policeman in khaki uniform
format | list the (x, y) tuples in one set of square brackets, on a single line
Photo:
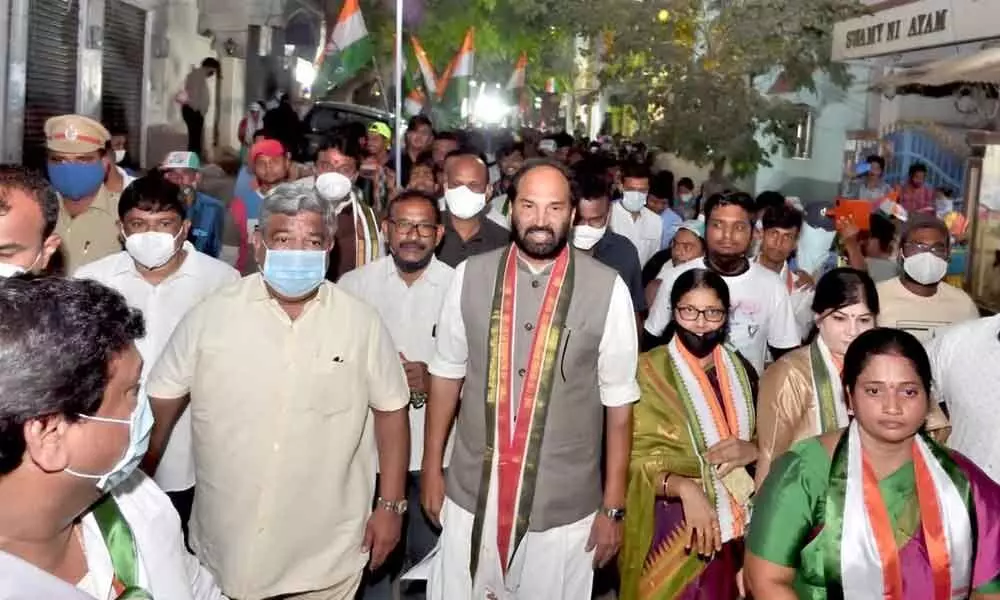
[(78, 163)]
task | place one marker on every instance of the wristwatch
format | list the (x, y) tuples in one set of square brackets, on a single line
[(615, 514), (398, 507)]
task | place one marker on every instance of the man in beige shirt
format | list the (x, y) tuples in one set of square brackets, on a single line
[(291, 383), (918, 300), (78, 163)]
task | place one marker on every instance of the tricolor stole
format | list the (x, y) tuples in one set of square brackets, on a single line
[(367, 245), (519, 450), (712, 419), (856, 519), (828, 394)]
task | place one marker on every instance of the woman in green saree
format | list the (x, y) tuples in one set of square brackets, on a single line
[(878, 510), (693, 436)]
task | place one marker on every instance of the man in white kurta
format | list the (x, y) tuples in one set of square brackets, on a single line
[(571, 524)]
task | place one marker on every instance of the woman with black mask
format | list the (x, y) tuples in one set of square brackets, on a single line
[(693, 439)]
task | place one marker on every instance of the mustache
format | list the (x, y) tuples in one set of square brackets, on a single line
[(539, 229), (412, 246)]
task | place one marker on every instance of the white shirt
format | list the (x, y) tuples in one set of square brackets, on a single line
[(163, 306), (645, 233), (801, 299), (494, 213), (166, 569), (126, 178), (617, 351), (410, 313), (963, 361), (761, 310)]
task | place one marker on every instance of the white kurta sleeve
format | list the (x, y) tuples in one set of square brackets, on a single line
[(618, 352), (203, 586), (782, 329), (451, 350)]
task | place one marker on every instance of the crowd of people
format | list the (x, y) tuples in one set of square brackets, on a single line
[(542, 372)]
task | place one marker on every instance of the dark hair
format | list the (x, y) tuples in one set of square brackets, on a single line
[(781, 217), (685, 182), (591, 185), (662, 186), (57, 338), (509, 149), (537, 163), (740, 199), (768, 199), (344, 145), (694, 279), (880, 342), (152, 193), (875, 159), (419, 120), (449, 136), (843, 287), (633, 170), (918, 168), (883, 230), (562, 140), (32, 183), (211, 63), (416, 196)]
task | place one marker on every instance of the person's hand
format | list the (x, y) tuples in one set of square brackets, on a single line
[(804, 280), (847, 229), (382, 535), (702, 531), (417, 376), (730, 454), (741, 584), (432, 493), (605, 539)]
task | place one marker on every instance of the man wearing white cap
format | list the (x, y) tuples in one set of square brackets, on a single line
[(207, 214), (78, 164)]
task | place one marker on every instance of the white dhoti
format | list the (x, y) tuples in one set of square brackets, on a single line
[(548, 565)]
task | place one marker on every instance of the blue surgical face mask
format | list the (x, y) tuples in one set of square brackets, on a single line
[(140, 426), (76, 180), (294, 273)]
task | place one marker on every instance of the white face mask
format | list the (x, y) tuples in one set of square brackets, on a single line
[(151, 249), (633, 201), (333, 186), (9, 270), (925, 268), (119, 156), (463, 202), (586, 237), (140, 426)]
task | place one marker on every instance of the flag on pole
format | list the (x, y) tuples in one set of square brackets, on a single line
[(550, 86), (426, 68), (455, 81), (517, 78), (415, 102), (348, 51)]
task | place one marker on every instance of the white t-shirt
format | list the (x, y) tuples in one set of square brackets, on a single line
[(919, 315), (761, 310), (963, 362)]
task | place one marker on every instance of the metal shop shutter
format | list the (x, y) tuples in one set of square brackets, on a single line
[(50, 86), (122, 68)]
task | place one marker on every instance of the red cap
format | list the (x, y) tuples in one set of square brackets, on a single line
[(266, 147)]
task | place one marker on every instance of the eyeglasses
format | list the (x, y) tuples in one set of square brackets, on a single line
[(406, 228), (712, 315), (911, 248)]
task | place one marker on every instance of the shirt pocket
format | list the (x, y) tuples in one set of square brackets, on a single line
[(334, 382), (578, 355)]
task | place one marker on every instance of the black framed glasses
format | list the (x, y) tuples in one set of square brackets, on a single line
[(406, 228), (690, 313)]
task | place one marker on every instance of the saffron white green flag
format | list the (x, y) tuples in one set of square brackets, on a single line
[(454, 86), (348, 51)]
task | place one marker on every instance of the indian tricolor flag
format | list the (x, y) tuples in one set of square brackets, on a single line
[(426, 68), (348, 51), (550, 86), (455, 81), (517, 78)]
